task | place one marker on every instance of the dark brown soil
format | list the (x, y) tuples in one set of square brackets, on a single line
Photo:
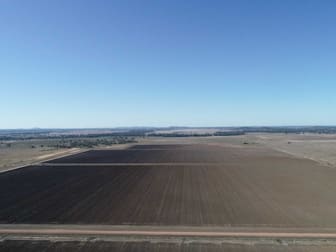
[(257, 190), (168, 154), (33, 246)]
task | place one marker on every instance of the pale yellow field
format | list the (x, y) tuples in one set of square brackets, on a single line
[(318, 147), (21, 153)]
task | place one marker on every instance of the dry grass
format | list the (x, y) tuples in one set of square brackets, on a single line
[(321, 148)]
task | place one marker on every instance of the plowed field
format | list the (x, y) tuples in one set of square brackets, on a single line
[(266, 189)]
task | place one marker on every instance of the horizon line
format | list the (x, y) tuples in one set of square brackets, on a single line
[(165, 127)]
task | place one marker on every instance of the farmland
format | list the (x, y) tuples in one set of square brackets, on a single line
[(170, 154), (229, 184), (27, 246), (20, 152), (240, 187)]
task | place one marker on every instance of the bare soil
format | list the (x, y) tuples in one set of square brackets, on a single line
[(252, 186), (47, 246)]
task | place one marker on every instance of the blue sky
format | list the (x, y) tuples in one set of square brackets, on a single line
[(160, 63)]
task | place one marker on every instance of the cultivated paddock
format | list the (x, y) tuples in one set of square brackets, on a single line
[(193, 153), (186, 185), (29, 246)]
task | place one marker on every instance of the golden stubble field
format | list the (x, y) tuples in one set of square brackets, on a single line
[(318, 147)]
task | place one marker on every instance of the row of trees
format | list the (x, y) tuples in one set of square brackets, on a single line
[(90, 143)]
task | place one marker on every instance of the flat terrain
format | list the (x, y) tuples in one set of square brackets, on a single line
[(318, 147), (157, 238), (194, 153), (19, 153), (47, 246), (250, 186), (224, 189), (210, 234)]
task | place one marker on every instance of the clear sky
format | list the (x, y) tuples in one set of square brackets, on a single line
[(69, 63)]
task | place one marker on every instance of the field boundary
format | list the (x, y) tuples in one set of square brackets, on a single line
[(217, 235), (45, 160), (132, 164)]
